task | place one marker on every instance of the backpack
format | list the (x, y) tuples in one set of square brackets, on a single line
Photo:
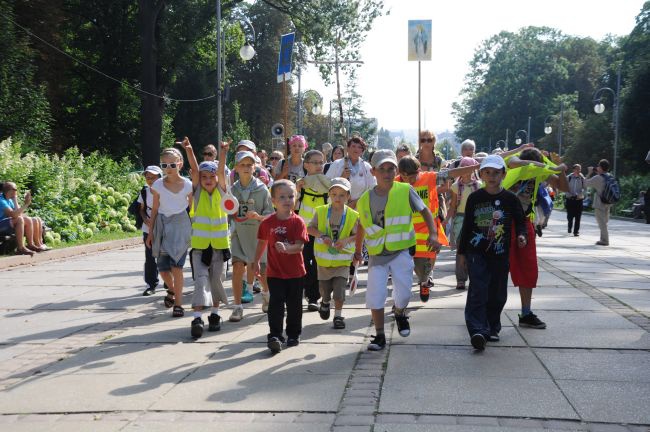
[(134, 208), (611, 192)]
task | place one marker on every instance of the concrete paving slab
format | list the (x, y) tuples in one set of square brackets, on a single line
[(587, 365), (210, 427), (94, 426), (425, 333), (558, 303), (559, 337), (473, 396), (462, 362), (579, 320), (8, 352), (450, 428), (636, 299), (606, 401)]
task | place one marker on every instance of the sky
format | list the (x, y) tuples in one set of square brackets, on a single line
[(387, 81)]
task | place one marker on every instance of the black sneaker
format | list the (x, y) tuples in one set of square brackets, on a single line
[(531, 321), (478, 341), (493, 337), (538, 230), (149, 291), (324, 310), (312, 306), (292, 342), (197, 328), (424, 292), (275, 345), (214, 322), (339, 322), (403, 325), (377, 343)]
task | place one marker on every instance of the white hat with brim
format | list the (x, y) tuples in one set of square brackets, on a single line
[(493, 161), (154, 169), (342, 183), (240, 156)]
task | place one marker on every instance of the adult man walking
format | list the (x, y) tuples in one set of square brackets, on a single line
[(574, 199), (601, 209)]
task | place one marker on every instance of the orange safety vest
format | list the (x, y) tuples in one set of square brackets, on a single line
[(426, 188)]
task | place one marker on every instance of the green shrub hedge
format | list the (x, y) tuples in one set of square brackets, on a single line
[(76, 195)]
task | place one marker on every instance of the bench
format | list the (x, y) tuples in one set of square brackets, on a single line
[(7, 243)]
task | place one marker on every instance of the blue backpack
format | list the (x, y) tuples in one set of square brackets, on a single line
[(611, 192)]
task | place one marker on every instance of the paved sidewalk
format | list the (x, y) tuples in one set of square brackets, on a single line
[(81, 349)]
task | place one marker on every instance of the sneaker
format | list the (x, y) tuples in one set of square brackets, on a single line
[(214, 322), (493, 337), (377, 343), (538, 230), (274, 345), (292, 342), (460, 286), (478, 341), (237, 314), (424, 292), (531, 321), (324, 311), (149, 291), (312, 306), (403, 325), (265, 303), (602, 243), (257, 287), (197, 328), (246, 296), (339, 322), (430, 283), (576, 234)]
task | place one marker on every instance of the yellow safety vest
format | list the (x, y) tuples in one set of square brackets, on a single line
[(325, 257), (398, 232), (309, 200), (209, 222)]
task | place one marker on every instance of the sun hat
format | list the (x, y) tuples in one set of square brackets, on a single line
[(154, 169), (382, 156), (250, 145), (208, 166), (340, 182), (493, 161), (240, 156)]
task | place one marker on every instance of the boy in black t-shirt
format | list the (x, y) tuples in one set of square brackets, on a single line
[(484, 246)]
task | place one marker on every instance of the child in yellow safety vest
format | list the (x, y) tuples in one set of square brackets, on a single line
[(385, 213), (426, 186), (210, 238), (334, 228), (312, 192)]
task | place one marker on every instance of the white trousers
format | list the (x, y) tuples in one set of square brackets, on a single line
[(401, 270)]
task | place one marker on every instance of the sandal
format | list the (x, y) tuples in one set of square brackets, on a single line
[(169, 299), (178, 312), (24, 252)]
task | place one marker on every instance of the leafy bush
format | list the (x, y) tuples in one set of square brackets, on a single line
[(630, 188), (76, 195)]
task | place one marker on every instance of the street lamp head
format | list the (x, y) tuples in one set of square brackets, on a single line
[(316, 110), (518, 141), (343, 130), (548, 129), (599, 108), (247, 52)]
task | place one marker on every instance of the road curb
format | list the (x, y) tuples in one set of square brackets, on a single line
[(56, 254)]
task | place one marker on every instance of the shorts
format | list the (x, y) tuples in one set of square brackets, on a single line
[(523, 262), (6, 227), (334, 287), (165, 262)]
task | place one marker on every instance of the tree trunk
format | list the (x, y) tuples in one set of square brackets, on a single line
[(152, 107)]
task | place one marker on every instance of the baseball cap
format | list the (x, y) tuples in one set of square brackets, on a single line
[(467, 161), (240, 156), (208, 166), (381, 156), (340, 182), (493, 161), (154, 169), (250, 145)]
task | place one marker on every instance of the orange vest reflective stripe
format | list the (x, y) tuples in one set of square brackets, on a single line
[(426, 188)]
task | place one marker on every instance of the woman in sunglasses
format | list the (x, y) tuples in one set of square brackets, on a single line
[(171, 226)]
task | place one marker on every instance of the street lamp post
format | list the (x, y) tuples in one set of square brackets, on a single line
[(599, 108), (518, 140), (548, 128)]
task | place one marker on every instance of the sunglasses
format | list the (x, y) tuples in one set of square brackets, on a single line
[(208, 154), (428, 140), (274, 158), (172, 165)]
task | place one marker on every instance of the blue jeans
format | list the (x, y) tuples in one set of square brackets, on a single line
[(487, 293)]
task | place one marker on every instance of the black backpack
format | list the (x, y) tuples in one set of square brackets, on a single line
[(134, 208), (611, 192)]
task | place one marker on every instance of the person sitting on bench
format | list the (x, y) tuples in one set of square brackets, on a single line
[(14, 221)]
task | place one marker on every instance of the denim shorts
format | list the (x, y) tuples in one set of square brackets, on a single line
[(5, 227), (165, 262)]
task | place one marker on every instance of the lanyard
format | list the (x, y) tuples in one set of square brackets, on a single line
[(329, 227)]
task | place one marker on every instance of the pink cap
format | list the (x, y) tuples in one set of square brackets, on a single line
[(298, 138), (467, 161)]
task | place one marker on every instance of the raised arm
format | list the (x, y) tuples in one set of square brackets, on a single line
[(221, 169), (191, 158)]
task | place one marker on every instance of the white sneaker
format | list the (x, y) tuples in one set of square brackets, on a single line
[(265, 303), (237, 314)]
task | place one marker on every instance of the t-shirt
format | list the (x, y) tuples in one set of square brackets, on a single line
[(464, 192), (488, 222), (291, 230), (327, 273), (148, 206), (377, 211), (5, 203), (295, 171), (172, 203), (361, 179)]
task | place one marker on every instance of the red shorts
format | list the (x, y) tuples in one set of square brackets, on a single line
[(523, 261)]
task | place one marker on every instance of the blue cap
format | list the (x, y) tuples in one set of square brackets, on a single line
[(208, 166)]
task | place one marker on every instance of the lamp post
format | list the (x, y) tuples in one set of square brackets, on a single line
[(316, 102), (548, 129), (518, 140), (246, 52), (599, 108)]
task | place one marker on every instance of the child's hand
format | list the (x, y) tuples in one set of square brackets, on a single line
[(339, 245), (326, 240), (433, 243), (225, 145), (357, 258), (462, 262), (28, 198), (557, 160), (521, 241), (186, 143), (300, 184), (149, 240), (256, 268), (252, 214), (281, 247)]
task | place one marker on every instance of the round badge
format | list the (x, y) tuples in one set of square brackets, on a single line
[(497, 202)]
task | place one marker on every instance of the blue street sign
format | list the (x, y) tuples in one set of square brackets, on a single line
[(284, 59)]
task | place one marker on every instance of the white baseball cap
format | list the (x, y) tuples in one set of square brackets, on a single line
[(493, 161), (382, 156)]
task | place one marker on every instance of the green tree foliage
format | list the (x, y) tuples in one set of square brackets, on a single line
[(24, 109), (384, 140)]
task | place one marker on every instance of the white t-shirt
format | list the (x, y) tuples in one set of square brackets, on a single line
[(361, 179), (149, 195), (172, 203)]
